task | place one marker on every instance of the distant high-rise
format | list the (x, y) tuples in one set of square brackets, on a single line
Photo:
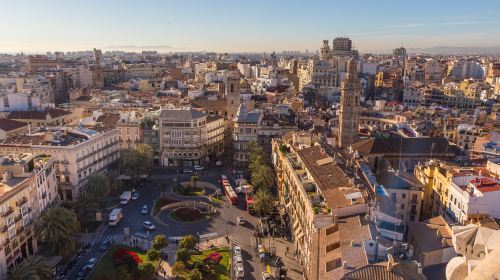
[(341, 44), (349, 107)]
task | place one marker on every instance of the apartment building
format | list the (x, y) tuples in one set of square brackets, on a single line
[(260, 127), (324, 208), (27, 187), (78, 152), (187, 136)]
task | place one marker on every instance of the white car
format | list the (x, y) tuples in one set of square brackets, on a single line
[(239, 272), (238, 260), (91, 263), (240, 220), (219, 163), (144, 210), (148, 225), (198, 168), (266, 276), (237, 250)]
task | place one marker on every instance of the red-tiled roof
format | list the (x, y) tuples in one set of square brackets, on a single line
[(8, 125), (486, 185)]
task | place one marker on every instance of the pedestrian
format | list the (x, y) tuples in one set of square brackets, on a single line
[(166, 256)]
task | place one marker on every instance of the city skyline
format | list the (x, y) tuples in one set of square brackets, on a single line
[(225, 26)]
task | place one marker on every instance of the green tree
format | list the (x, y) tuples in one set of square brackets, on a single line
[(263, 201), (121, 273), (255, 152), (188, 242), (160, 242), (21, 272), (153, 255), (98, 185), (179, 269), (137, 162), (85, 206), (262, 177), (194, 180), (40, 266), (194, 274), (57, 227), (183, 255), (147, 270)]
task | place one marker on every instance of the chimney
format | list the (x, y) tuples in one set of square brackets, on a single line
[(6, 176), (438, 234), (335, 220)]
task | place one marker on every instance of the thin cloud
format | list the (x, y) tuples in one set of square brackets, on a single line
[(440, 24)]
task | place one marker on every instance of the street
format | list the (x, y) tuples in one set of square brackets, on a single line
[(218, 226)]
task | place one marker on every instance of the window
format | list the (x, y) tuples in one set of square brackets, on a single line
[(332, 246), (331, 265), (403, 195)]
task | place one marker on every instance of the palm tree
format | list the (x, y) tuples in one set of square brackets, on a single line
[(85, 205), (20, 272), (40, 266), (263, 201), (262, 177), (56, 227)]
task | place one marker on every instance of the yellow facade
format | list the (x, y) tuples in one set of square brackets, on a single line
[(436, 179)]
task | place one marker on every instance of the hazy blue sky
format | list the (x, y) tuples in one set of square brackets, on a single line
[(245, 25)]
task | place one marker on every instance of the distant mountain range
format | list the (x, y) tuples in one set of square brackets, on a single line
[(457, 50)]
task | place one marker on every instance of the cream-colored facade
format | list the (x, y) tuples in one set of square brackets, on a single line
[(28, 186), (79, 152), (323, 208), (186, 136)]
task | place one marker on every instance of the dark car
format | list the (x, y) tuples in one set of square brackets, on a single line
[(105, 245)]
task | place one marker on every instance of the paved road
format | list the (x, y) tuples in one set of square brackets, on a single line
[(223, 225)]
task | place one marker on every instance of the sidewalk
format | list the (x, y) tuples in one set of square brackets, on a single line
[(291, 262)]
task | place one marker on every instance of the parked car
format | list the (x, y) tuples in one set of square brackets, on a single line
[(136, 195), (144, 210), (238, 260), (239, 272), (91, 263), (237, 250), (240, 220), (219, 163), (198, 168), (148, 225), (187, 171)]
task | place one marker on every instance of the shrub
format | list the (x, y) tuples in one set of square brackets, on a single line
[(153, 255), (122, 256), (188, 242), (214, 257), (183, 255)]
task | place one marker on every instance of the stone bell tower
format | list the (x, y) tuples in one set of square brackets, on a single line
[(349, 107)]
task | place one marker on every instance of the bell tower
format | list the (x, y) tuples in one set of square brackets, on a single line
[(232, 93), (349, 107)]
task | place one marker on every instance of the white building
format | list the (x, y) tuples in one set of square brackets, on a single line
[(79, 152), (472, 196)]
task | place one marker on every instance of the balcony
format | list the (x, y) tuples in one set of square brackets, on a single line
[(7, 212), (21, 201)]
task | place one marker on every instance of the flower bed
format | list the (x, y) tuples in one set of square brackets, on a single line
[(185, 214), (162, 201)]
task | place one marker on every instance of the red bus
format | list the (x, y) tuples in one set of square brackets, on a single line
[(230, 194)]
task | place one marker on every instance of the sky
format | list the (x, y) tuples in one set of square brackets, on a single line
[(244, 25)]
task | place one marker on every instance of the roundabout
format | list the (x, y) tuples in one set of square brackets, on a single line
[(189, 215)]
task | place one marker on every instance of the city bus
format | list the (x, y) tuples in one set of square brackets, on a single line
[(228, 189)]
